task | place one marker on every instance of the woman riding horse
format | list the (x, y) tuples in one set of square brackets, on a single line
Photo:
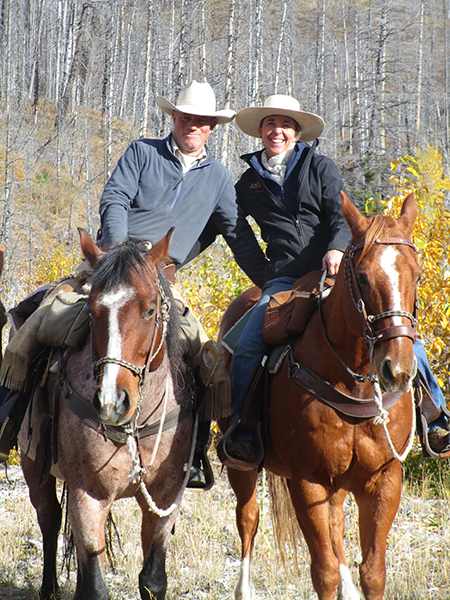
[(294, 196)]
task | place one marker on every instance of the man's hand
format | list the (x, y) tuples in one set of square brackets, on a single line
[(331, 261)]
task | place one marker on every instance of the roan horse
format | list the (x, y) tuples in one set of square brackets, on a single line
[(365, 327), (129, 429)]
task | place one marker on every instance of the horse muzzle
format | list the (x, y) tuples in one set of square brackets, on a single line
[(396, 372), (113, 408)]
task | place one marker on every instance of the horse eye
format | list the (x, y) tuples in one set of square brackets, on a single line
[(362, 278), (149, 314)]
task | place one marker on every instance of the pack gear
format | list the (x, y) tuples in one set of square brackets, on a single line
[(288, 312)]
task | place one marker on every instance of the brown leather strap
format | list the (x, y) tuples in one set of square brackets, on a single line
[(397, 331), (87, 413), (43, 461), (362, 408)]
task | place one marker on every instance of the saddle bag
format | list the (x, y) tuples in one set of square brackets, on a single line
[(66, 323), (288, 312)]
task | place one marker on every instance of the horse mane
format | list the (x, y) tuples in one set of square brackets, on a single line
[(116, 267), (174, 349), (373, 233)]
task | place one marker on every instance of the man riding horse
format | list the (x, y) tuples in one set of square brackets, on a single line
[(159, 184)]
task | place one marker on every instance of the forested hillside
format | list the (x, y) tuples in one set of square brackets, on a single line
[(78, 82)]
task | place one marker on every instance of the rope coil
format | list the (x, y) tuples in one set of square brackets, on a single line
[(383, 419)]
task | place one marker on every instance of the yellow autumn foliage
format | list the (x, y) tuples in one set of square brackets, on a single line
[(210, 283), (55, 261), (424, 174)]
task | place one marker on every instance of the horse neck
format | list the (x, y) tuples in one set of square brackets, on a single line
[(163, 388), (344, 329)]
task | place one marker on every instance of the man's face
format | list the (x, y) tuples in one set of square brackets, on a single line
[(277, 133), (190, 132)]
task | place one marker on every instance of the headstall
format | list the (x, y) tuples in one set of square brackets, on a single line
[(371, 335), (161, 324)]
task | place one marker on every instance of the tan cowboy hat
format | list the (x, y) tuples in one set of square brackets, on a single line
[(249, 119), (197, 99)]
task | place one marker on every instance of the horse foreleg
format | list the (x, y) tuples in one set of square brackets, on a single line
[(311, 503), (247, 519), (154, 535), (347, 590), (87, 518), (378, 504), (48, 512)]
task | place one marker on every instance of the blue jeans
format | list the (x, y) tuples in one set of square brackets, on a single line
[(437, 395), (251, 344)]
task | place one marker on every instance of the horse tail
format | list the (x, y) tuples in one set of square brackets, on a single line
[(284, 519)]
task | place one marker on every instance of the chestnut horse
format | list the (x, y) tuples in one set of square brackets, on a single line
[(125, 425), (362, 338)]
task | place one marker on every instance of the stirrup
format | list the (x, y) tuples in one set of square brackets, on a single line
[(235, 463), (427, 412), (206, 471)]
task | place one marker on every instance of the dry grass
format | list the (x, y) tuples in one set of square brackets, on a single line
[(203, 555)]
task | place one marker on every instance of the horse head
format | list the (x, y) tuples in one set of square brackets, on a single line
[(382, 273), (129, 314)]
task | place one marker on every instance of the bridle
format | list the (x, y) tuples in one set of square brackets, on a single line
[(138, 470), (371, 335), (131, 433), (161, 325)]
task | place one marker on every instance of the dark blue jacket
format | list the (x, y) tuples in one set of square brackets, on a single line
[(298, 231), (148, 193)]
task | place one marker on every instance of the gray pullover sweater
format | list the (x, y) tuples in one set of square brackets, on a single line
[(148, 193)]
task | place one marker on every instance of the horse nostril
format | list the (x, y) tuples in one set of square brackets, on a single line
[(124, 402), (96, 402), (387, 370)]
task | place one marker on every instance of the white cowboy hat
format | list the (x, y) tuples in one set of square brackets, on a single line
[(197, 99), (249, 119)]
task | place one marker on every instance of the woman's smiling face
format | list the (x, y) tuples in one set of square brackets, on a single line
[(278, 133)]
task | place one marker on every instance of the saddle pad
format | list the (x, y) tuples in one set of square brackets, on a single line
[(231, 338)]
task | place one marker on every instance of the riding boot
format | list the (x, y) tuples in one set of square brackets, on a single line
[(201, 475), (12, 412), (242, 447), (439, 435), (212, 386)]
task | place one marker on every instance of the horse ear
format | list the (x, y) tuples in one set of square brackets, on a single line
[(355, 220), (159, 253), (169, 272), (408, 213), (89, 248)]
